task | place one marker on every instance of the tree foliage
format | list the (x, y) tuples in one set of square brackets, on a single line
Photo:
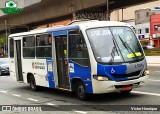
[(2, 40)]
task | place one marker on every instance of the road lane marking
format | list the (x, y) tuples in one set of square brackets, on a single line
[(32, 99), (82, 112), (3, 76), (3, 91), (50, 104), (16, 95), (154, 80), (146, 93)]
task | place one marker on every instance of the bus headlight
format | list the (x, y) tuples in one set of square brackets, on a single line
[(146, 72), (100, 78)]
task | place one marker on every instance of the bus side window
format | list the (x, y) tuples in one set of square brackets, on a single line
[(77, 48), (43, 46), (29, 47), (49, 40)]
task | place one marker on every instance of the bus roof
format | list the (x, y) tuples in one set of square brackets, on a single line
[(44, 30), (101, 24), (89, 24), (85, 25)]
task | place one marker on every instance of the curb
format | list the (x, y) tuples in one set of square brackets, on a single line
[(153, 63), (153, 60)]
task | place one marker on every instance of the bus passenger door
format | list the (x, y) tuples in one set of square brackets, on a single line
[(62, 61), (18, 60), (79, 63)]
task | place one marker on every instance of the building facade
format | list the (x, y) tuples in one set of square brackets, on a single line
[(144, 19), (128, 13)]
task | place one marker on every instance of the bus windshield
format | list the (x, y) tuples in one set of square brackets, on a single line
[(114, 45)]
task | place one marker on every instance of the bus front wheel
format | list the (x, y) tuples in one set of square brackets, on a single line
[(81, 91), (33, 84)]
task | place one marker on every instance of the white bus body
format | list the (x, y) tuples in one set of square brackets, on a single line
[(89, 57)]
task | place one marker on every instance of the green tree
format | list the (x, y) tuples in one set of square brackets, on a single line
[(2, 40)]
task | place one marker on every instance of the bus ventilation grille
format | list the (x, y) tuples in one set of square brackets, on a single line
[(126, 75)]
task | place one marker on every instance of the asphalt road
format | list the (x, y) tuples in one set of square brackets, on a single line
[(13, 93)]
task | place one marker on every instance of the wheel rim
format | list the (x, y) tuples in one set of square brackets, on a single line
[(81, 91)]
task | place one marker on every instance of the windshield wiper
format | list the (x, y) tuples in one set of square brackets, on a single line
[(112, 55), (127, 46), (113, 52)]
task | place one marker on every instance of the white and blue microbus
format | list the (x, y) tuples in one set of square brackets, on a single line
[(90, 57)]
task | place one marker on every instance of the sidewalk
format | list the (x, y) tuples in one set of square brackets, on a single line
[(153, 60)]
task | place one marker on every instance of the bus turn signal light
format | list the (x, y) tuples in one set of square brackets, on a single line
[(146, 72)]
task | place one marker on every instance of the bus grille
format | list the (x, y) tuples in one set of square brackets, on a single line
[(126, 75)]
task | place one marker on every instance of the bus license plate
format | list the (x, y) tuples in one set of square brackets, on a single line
[(126, 88)]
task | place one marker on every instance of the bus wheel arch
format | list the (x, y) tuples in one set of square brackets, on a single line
[(79, 87), (31, 80), (28, 77)]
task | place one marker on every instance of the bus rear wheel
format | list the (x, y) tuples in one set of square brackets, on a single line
[(33, 84), (81, 91)]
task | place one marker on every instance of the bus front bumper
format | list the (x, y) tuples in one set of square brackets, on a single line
[(113, 86)]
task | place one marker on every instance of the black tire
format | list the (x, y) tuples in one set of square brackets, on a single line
[(32, 82), (81, 91), (0, 73), (126, 92)]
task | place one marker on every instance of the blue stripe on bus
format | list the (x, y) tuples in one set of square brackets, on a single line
[(63, 28), (83, 73), (109, 70), (50, 73), (57, 33)]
